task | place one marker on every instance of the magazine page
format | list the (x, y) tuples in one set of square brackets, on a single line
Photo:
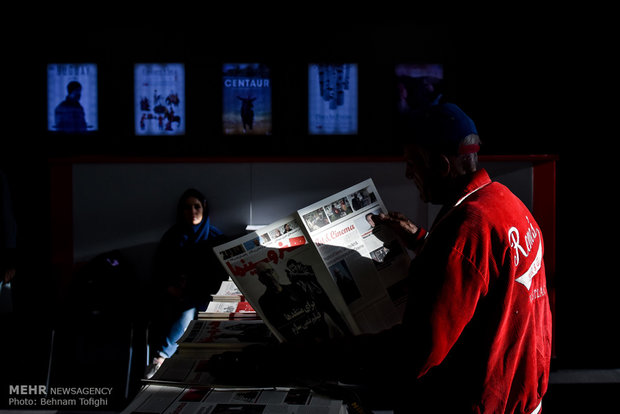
[(228, 288), (153, 399), (187, 371), (368, 263), (275, 400), (201, 332), (228, 310), (163, 399), (228, 291), (224, 307), (285, 280)]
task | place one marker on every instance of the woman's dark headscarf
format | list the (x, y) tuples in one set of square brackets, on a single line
[(201, 231)]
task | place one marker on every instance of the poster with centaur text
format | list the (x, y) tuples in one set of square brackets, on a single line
[(246, 99), (159, 98), (72, 97)]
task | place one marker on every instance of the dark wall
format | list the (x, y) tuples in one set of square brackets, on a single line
[(531, 86)]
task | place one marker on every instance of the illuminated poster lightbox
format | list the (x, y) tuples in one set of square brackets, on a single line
[(419, 85), (246, 99), (72, 97), (159, 98), (332, 98)]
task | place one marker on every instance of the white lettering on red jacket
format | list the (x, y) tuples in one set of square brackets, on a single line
[(530, 237)]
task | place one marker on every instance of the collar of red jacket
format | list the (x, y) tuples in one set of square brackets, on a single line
[(477, 180)]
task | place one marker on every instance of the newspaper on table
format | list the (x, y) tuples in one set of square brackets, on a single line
[(228, 310), (228, 303), (225, 333), (323, 271), (163, 399), (228, 291), (185, 370)]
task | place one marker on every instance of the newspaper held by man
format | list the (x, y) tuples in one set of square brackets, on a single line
[(324, 271)]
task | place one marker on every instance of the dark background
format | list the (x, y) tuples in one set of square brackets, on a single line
[(533, 85)]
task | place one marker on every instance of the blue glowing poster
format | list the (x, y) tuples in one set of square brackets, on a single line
[(332, 98), (159, 98), (246, 99), (419, 85), (72, 97)]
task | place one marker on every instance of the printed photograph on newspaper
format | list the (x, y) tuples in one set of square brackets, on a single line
[(283, 277)]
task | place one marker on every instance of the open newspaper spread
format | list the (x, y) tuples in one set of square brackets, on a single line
[(323, 271)]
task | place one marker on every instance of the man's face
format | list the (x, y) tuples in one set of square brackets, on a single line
[(416, 169), (267, 278), (419, 168), (76, 94)]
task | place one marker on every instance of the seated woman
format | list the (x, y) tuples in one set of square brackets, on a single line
[(186, 273)]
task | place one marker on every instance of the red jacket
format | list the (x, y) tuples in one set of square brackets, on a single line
[(476, 335), (479, 295)]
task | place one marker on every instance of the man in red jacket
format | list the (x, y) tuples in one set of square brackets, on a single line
[(476, 335), (478, 316)]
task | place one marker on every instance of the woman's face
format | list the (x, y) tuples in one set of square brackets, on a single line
[(192, 210)]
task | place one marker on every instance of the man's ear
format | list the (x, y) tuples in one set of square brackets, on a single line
[(444, 165)]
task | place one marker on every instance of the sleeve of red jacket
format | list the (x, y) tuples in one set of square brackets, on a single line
[(444, 296)]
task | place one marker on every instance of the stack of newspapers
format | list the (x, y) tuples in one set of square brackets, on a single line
[(228, 303)]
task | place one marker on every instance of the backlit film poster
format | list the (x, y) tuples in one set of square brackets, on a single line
[(246, 99), (419, 85), (159, 98), (332, 98), (72, 97)]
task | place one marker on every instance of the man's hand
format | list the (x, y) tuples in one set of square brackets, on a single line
[(410, 233), (403, 227)]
